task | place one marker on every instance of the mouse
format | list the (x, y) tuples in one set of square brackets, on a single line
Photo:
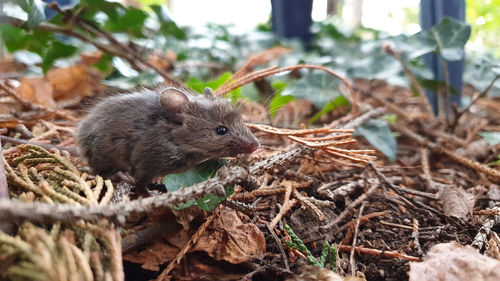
[(153, 132)]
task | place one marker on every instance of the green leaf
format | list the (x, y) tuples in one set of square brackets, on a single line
[(492, 138), (13, 37), (194, 175), (451, 36), (57, 50), (168, 26), (199, 85), (278, 99), (210, 201), (377, 133), (391, 118), (35, 10), (132, 21), (338, 102), (448, 39), (319, 88)]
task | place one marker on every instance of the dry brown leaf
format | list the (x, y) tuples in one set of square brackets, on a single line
[(70, 81), (163, 60), (153, 256), (232, 240), (90, 58), (37, 90), (454, 262), (457, 202)]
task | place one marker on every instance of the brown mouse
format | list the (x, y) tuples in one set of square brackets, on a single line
[(155, 132)]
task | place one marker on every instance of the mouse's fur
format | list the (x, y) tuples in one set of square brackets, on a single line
[(154, 132)]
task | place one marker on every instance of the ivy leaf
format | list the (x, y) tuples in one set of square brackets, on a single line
[(210, 201), (338, 102), (450, 36), (35, 10), (13, 37), (199, 85), (132, 21), (319, 88), (492, 138), (194, 175), (168, 26), (377, 133), (57, 50), (448, 39), (278, 99)]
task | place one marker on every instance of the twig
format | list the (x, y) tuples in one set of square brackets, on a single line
[(365, 218), (444, 106), (424, 155), (351, 206), (467, 108), (378, 253), (287, 203), (439, 149), (415, 236), (257, 75), (384, 180), (194, 239), (280, 246), (414, 82), (354, 239)]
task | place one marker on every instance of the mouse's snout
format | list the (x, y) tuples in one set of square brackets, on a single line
[(251, 145)]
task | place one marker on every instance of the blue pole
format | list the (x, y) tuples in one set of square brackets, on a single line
[(431, 13)]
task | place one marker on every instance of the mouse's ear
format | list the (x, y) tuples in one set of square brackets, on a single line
[(209, 93), (173, 103)]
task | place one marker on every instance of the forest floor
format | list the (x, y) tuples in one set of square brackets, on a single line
[(382, 216)]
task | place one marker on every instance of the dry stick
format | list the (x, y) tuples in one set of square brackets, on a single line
[(280, 246), (194, 239), (438, 149), (351, 206), (415, 236), (378, 253), (400, 191), (363, 219), (304, 200), (426, 169), (467, 108), (287, 204), (254, 76), (414, 82), (13, 94), (354, 239)]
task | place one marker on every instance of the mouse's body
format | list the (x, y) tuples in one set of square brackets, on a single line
[(155, 132)]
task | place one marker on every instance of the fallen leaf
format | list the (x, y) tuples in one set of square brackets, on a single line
[(70, 81), (457, 202), (232, 240), (153, 256), (37, 90), (90, 58), (454, 262)]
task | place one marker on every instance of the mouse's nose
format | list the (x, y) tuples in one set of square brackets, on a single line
[(251, 145)]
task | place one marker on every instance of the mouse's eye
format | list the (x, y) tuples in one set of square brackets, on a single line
[(221, 130)]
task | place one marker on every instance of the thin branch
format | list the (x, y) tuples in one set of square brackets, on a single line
[(481, 95)]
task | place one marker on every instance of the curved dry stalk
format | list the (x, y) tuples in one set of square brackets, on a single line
[(257, 75)]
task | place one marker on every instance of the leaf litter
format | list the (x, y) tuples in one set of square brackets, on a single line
[(430, 194)]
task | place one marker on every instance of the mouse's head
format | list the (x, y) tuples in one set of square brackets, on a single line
[(211, 125)]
